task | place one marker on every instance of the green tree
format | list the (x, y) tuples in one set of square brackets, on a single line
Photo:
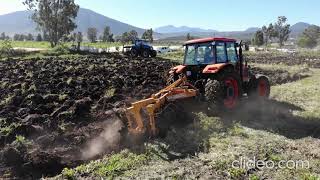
[(125, 37), (55, 17), (45, 36), (39, 38), (132, 35), (22, 37), (258, 38), (92, 34), (310, 37), (107, 36), (3, 36), (282, 30), (19, 37), (16, 37), (29, 37), (148, 35), (73, 37), (79, 39), (268, 32), (6, 49), (111, 39), (189, 36)]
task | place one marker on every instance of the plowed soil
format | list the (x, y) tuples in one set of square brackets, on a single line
[(284, 58), (60, 104)]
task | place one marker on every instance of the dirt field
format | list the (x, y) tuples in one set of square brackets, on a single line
[(51, 107), (309, 59), (59, 113)]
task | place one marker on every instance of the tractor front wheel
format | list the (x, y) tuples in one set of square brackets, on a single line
[(145, 54), (153, 53)]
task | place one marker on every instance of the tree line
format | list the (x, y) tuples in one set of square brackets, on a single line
[(28, 37), (3, 36), (279, 31), (310, 38), (107, 36)]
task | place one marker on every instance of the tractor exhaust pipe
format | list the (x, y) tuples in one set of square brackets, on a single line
[(241, 61)]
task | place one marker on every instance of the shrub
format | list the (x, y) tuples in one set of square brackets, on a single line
[(61, 49), (6, 49)]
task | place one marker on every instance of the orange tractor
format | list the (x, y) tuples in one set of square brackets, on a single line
[(213, 71)]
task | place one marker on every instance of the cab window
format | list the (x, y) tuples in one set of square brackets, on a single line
[(221, 52), (232, 52), (205, 54), (199, 54)]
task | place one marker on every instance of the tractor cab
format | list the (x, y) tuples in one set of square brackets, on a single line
[(210, 51), (207, 56), (143, 43)]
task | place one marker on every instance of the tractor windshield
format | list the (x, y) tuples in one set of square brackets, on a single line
[(196, 54), (145, 43)]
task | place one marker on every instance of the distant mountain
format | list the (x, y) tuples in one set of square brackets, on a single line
[(17, 22), (247, 34), (87, 18), (172, 32), (252, 29), (298, 28), (181, 29), (20, 22)]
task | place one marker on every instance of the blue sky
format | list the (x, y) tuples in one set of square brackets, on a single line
[(209, 14)]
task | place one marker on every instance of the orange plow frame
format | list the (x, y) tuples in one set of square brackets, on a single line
[(180, 89)]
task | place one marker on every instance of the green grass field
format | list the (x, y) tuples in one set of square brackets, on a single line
[(280, 130)]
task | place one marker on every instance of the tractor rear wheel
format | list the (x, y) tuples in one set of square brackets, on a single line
[(224, 91), (134, 53), (145, 54), (153, 53), (259, 87)]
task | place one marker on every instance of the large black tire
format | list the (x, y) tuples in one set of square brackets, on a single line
[(153, 53), (213, 91), (134, 53), (259, 87), (145, 53), (224, 91)]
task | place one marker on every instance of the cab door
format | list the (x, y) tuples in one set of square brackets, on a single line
[(233, 58)]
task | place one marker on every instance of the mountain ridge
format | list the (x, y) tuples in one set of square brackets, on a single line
[(19, 22), (296, 30)]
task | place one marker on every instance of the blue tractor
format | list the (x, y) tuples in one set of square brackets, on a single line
[(141, 48)]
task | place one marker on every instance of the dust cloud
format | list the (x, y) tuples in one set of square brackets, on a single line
[(107, 141)]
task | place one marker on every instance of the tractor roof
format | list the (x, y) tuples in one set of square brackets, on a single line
[(204, 40)]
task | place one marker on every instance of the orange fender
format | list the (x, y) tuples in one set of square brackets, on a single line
[(177, 69), (213, 68)]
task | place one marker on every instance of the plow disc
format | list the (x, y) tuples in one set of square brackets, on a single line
[(141, 116)]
